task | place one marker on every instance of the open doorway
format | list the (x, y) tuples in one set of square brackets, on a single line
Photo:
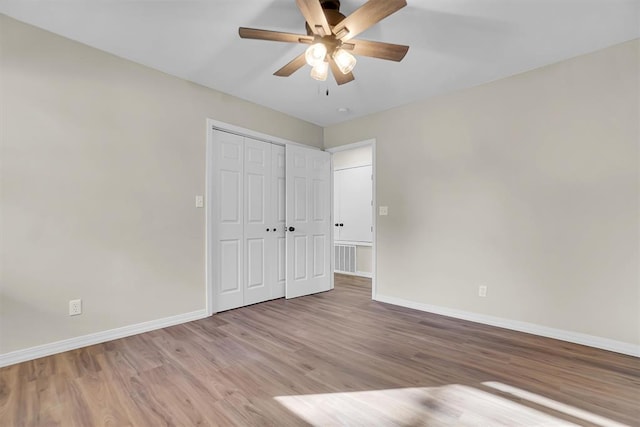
[(353, 173)]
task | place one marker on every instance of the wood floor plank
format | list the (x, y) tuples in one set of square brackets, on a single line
[(335, 358)]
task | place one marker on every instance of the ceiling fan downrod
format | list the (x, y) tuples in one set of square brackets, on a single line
[(331, 9)]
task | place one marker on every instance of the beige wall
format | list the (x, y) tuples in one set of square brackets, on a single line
[(353, 158), (528, 185), (100, 162)]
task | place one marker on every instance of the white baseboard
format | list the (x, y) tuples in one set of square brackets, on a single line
[(364, 274), (357, 273), (530, 328), (97, 338)]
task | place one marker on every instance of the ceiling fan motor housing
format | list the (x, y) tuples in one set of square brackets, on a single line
[(331, 10)]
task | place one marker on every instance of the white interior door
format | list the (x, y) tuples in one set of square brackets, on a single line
[(337, 197), (228, 262), (355, 198), (308, 221)]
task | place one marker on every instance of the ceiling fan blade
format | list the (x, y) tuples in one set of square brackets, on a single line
[(314, 15), (364, 17), (337, 74), (277, 36), (388, 51), (293, 66)]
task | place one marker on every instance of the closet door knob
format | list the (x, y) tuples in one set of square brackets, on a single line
[(268, 229), (341, 225), (274, 229), (337, 225), (292, 229)]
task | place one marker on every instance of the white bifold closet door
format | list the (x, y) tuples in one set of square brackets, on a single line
[(257, 221), (228, 253), (251, 253), (278, 245)]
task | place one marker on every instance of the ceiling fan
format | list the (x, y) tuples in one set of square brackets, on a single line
[(331, 38)]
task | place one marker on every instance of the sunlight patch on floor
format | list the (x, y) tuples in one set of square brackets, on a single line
[(436, 406), (553, 404)]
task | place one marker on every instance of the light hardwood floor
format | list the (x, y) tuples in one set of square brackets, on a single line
[(336, 358)]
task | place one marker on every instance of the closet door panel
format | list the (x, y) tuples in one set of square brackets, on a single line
[(257, 227), (277, 245), (229, 251)]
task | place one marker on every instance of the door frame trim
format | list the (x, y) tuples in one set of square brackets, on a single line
[(374, 264), (210, 193), (245, 132)]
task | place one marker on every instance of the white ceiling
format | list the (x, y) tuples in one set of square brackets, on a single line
[(454, 44)]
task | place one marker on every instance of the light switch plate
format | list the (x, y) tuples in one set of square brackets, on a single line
[(384, 210), (199, 201)]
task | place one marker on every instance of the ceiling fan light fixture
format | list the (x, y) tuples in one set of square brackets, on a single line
[(315, 54), (320, 71), (344, 60)]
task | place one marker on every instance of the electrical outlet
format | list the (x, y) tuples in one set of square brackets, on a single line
[(383, 210), (482, 291), (199, 201), (75, 307)]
